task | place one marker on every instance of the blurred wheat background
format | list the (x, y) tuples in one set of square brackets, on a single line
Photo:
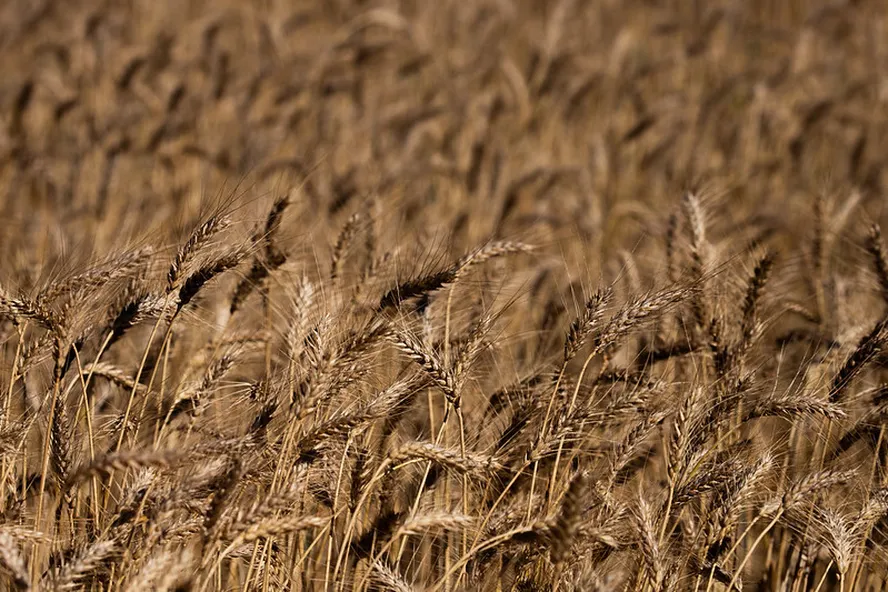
[(495, 295)]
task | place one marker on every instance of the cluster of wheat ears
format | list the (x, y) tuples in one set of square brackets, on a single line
[(499, 295)]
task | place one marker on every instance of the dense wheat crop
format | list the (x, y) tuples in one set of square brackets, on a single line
[(496, 295)]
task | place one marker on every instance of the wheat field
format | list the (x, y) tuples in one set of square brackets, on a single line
[(411, 295)]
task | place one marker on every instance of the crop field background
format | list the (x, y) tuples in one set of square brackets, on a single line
[(495, 295)]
